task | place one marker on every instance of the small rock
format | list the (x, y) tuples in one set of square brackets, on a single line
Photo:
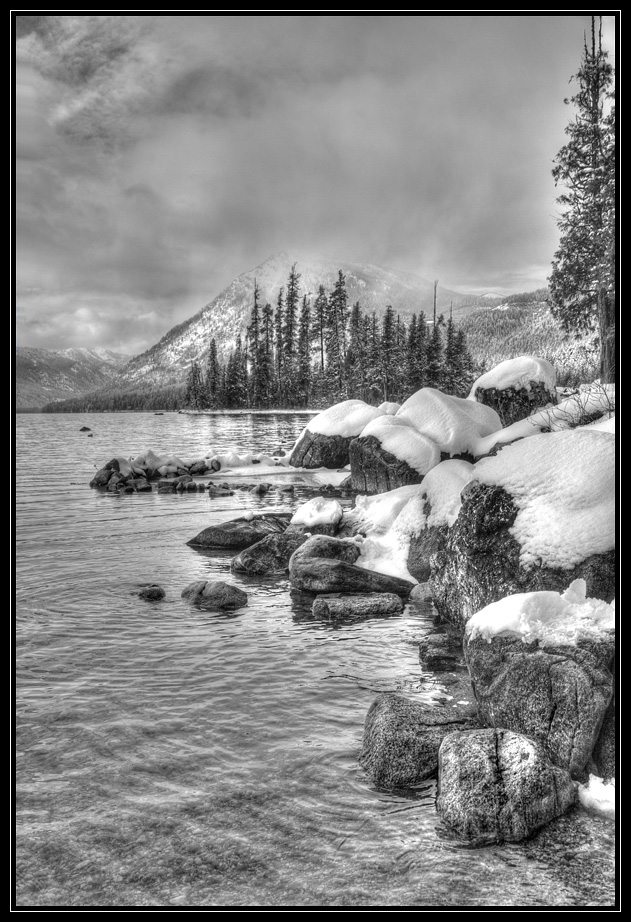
[(152, 593), (337, 606), (215, 595), (85, 429)]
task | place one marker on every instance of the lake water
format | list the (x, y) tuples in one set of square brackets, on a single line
[(171, 757)]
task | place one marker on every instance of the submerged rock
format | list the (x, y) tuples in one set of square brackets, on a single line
[(152, 593), (499, 786), (242, 532), (336, 606), (270, 555), (215, 595), (402, 738)]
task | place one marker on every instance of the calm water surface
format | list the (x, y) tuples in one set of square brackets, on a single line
[(167, 756)]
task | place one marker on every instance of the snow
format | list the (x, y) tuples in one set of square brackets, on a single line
[(598, 796), (441, 489), (390, 408), (563, 484), (232, 458), (605, 424), (565, 415), (347, 418), (548, 617), (318, 511), (376, 514), (399, 437), (518, 373), (456, 424)]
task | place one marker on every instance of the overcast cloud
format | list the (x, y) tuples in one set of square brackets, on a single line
[(159, 157)]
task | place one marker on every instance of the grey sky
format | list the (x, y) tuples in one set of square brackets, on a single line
[(158, 157)]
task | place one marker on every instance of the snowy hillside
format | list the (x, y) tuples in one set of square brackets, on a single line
[(42, 375)]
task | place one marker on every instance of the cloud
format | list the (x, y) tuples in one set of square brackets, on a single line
[(158, 157)]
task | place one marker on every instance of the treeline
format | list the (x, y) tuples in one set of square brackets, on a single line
[(154, 398), (304, 353)]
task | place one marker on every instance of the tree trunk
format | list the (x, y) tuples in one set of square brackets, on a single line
[(607, 333)]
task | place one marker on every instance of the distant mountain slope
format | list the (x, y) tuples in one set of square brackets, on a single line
[(523, 325), (42, 375), (227, 316)]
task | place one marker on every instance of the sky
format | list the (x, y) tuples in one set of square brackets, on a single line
[(158, 157)]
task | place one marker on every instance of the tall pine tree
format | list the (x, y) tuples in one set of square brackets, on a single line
[(583, 278)]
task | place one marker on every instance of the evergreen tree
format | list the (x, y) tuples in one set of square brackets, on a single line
[(279, 358), (213, 377), (416, 358), (320, 311), (583, 278), (434, 366), (356, 354), (387, 353), (303, 377), (290, 322), (254, 350), (452, 369), (337, 319), (194, 396), (266, 358)]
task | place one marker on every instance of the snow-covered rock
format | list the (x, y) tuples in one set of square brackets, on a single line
[(540, 664), (537, 516), (325, 441), (318, 516), (516, 387), (390, 453), (455, 424)]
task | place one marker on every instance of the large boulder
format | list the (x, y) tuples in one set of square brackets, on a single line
[(537, 516), (242, 532), (498, 786), (454, 424), (316, 574), (215, 595), (325, 440), (318, 516), (604, 752), (270, 555), (402, 738), (516, 388), (340, 606), (540, 664)]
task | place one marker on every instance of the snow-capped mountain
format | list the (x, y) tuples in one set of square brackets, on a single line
[(42, 375), (227, 316)]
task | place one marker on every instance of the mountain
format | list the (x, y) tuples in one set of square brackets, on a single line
[(42, 375), (227, 316)]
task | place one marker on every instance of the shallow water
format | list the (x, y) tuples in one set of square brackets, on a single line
[(167, 756)]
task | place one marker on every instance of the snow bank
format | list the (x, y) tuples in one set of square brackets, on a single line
[(376, 514), (232, 458), (549, 617), (347, 418), (605, 424), (456, 424), (598, 796), (390, 408), (591, 399), (318, 511), (519, 373), (399, 437), (563, 484)]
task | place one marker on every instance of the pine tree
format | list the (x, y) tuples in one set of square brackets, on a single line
[(387, 352), (254, 350), (195, 387), (290, 323), (279, 358), (266, 358), (213, 377), (337, 319), (583, 278), (416, 357), (356, 354), (434, 366), (303, 377), (320, 309)]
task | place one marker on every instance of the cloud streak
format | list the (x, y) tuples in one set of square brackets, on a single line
[(158, 157)]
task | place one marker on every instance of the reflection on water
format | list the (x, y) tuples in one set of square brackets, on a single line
[(170, 756)]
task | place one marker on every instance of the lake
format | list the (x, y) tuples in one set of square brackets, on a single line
[(171, 757)]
